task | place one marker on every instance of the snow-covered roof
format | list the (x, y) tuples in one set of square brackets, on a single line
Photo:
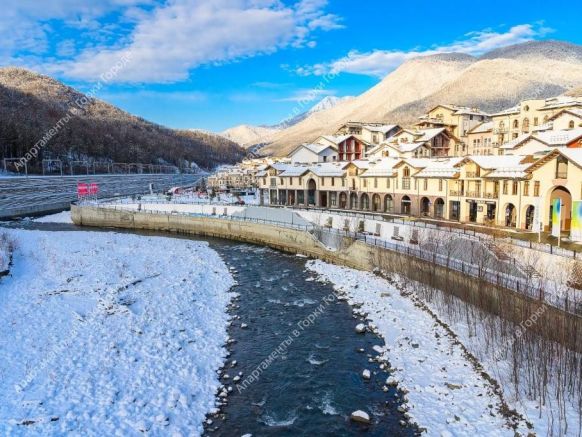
[(315, 148), (385, 128), (510, 145), (513, 110), (562, 101), (428, 134), (574, 155), (409, 147), (559, 138), (381, 167), (512, 172), (493, 162), (336, 139), (482, 128), (321, 169)]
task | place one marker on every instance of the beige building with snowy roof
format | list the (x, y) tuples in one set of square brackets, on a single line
[(529, 115)]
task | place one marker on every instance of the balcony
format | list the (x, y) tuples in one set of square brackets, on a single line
[(473, 174), (500, 130), (456, 192), (474, 194), (490, 195)]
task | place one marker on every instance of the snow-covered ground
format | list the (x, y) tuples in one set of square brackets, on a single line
[(61, 217), (110, 334), (446, 395)]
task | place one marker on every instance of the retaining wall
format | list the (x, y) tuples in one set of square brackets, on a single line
[(564, 327)]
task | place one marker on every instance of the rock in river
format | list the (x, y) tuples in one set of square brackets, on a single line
[(360, 416)]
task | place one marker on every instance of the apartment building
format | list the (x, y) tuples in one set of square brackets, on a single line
[(458, 120), (534, 115)]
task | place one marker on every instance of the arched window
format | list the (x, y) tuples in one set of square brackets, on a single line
[(501, 125), (406, 172), (515, 124), (525, 125), (545, 119), (571, 124)]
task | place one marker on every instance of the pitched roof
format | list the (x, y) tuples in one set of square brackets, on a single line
[(559, 138), (482, 128), (381, 167), (385, 128)]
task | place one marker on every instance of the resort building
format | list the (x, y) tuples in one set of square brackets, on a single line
[(515, 191), (458, 120), (530, 115)]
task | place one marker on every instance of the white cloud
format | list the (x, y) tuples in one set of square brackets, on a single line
[(26, 25), (172, 40), (380, 62)]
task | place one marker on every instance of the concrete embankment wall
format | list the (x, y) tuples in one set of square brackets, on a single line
[(355, 254)]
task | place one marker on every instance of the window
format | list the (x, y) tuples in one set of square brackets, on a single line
[(290, 181), (365, 182), (526, 188), (425, 184), (525, 125), (264, 181), (526, 108), (300, 181), (322, 182), (333, 182), (537, 188), (343, 182), (505, 187), (515, 124), (514, 188), (440, 185), (406, 172), (535, 121), (571, 124), (375, 182), (387, 182), (281, 181)]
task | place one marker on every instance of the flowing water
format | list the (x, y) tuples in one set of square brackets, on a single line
[(315, 381)]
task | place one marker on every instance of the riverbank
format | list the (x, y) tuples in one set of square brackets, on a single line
[(535, 379), (105, 333)]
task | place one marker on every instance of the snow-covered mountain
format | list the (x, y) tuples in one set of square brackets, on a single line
[(323, 105), (248, 135), (496, 80)]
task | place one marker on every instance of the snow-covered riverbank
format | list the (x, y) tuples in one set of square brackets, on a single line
[(106, 333), (446, 394)]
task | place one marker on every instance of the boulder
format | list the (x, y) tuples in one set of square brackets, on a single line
[(366, 374), (360, 328), (360, 416)]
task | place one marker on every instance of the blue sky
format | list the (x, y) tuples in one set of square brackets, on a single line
[(213, 64)]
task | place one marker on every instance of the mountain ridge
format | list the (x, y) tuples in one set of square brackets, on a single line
[(493, 81), (31, 104)]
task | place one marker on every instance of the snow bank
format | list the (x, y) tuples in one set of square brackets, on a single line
[(110, 334), (61, 217), (444, 392)]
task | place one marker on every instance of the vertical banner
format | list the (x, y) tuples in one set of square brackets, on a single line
[(556, 217), (576, 226)]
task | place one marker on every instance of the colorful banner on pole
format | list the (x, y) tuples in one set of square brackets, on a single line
[(556, 217), (576, 226)]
